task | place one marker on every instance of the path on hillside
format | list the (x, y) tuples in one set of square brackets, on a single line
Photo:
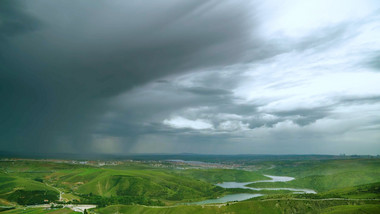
[(60, 192)]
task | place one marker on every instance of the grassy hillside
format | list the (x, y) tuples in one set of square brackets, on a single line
[(40, 211), (322, 183), (25, 191), (352, 209), (133, 183), (155, 184), (34, 169), (306, 168), (221, 175), (270, 206), (324, 176), (12, 183), (370, 191)]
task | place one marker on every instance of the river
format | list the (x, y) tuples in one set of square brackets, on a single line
[(227, 198), (245, 196)]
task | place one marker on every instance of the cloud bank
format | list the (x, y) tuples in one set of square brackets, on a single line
[(202, 76)]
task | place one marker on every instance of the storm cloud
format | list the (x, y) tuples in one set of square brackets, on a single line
[(189, 76), (61, 60)]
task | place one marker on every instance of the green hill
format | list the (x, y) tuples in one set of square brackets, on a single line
[(40, 211), (368, 191), (25, 191), (155, 184), (130, 184), (253, 206), (221, 175), (304, 168), (352, 209), (325, 175), (322, 183)]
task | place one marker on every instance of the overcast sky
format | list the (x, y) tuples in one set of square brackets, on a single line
[(169, 76)]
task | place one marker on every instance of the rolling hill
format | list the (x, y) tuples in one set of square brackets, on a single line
[(155, 184)]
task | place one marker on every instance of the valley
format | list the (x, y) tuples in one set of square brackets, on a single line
[(298, 185)]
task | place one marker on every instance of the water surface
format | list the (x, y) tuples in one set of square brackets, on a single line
[(242, 185), (227, 198), (245, 196)]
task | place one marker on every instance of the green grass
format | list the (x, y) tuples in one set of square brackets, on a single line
[(353, 209), (322, 183), (40, 211), (222, 175), (307, 168), (352, 178), (156, 184), (254, 206), (25, 191), (368, 191), (70, 197), (10, 183), (324, 176), (6, 203)]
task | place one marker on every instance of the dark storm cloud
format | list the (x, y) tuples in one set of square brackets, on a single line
[(208, 91), (145, 111), (305, 117), (81, 76), (56, 79), (15, 20)]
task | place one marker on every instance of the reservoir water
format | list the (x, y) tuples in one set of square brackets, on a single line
[(227, 198), (245, 196)]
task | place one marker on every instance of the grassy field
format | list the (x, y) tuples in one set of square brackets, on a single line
[(221, 175), (24, 191), (155, 184), (40, 211), (324, 176), (352, 209), (371, 191), (256, 206), (305, 168)]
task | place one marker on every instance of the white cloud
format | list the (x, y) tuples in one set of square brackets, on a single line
[(316, 96), (268, 117), (181, 122), (226, 116), (297, 18), (316, 77), (233, 126)]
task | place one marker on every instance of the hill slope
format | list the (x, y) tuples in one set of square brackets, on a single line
[(25, 191), (150, 183)]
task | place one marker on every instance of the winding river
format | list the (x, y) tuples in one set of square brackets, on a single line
[(245, 196)]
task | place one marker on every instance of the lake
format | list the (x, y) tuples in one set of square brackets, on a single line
[(245, 196), (227, 198)]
